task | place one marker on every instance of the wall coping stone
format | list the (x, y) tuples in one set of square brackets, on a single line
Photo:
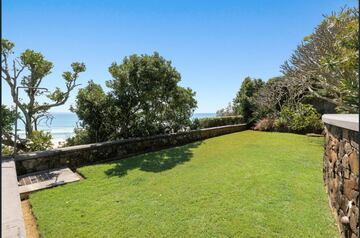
[(58, 151), (12, 221), (347, 121)]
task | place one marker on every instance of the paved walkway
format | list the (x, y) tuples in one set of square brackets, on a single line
[(12, 222), (46, 179)]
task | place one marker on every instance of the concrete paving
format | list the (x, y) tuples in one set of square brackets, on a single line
[(12, 222), (46, 179)]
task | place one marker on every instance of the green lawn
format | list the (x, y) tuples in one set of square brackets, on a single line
[(247, 184)]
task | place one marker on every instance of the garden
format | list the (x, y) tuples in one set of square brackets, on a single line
[(263, 182), (246, 184)]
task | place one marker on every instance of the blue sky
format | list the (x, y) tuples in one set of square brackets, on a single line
[(213, 44)]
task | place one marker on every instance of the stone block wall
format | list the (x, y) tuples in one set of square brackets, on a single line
[(341, 177), (76, 156)]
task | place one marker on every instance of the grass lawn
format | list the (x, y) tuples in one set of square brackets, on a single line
[(246, 184)]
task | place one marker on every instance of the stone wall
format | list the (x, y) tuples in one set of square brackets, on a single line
[(75, 156), (341, 176)]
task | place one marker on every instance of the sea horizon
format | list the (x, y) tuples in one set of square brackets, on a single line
[(62, 125)]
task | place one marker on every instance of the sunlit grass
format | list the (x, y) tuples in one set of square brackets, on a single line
[(247, 184)]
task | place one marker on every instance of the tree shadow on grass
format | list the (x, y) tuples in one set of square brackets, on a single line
[(155, 161)]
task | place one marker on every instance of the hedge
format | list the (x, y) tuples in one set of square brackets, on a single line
[(217, 121)]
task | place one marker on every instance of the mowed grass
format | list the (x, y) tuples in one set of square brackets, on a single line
[(246, 184)]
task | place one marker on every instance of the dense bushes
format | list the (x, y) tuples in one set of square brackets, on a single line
[(216, 121), (321, 76), (143, 99), (265, 124), (302, 119), (244, 103), (81, 137), (39, 140)]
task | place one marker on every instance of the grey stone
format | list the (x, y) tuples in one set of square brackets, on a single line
[(12, 221), (91, 153), (353, 222), (345, 161), (355, 145), (341, 150), (347, 148), (348, 121)]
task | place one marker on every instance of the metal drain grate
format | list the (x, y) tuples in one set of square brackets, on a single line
[(36, 178), (46, 179)]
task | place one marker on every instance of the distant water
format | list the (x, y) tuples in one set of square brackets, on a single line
[(62, 125), (203, 115)]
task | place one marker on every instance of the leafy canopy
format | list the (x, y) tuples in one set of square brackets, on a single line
[(244, 103), (144, 99)]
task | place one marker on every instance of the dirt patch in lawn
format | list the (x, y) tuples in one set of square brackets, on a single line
[(29, 219)]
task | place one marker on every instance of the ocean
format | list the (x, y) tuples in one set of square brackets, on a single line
[(62, 125)]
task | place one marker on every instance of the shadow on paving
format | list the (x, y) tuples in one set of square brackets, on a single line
[(154, 161)]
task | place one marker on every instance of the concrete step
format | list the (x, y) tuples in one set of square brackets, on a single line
[(46, 179)]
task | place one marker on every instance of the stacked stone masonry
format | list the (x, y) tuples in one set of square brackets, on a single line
[(76, 156), (341, 177)]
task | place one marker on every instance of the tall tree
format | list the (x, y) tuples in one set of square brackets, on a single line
[(7, 121), (144, 99), (277, 93), (327, 61), (93, 112), (29, 70), (244, 103)]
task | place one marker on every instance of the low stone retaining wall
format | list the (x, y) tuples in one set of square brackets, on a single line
[(76, 156), (341, 170)]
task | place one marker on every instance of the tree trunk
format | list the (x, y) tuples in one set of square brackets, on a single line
[(28, 126)]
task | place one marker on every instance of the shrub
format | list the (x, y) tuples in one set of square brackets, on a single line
[(265, 124), (195, 124), (39, 140), (302, 119), (81, 137), (219, 121), (6, 150)]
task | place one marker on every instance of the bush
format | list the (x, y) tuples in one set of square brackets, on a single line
[(6, 150), (303, 119), (265, 124), (81, 137), (219, 121), (195, 124), (39, 140)]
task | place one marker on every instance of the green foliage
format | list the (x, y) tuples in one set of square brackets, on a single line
[(7, 120), (219, 121), (246, 184), (7, 46), (147, 98), (244, 103), (93, 111), (28, 70), (144, 99), (195, 124), (301, 119), (225, 112), (39, 140), (6, 150), (327, 62), (81, 137), (38, 66)]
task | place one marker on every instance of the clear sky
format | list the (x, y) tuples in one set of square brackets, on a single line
[(213, 44)]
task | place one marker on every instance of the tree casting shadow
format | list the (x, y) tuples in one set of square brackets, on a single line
[(154, 161)]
